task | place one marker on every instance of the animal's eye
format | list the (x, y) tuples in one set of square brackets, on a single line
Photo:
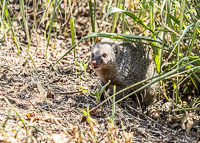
[(105, 55)]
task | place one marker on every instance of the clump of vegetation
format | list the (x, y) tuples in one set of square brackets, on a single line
[(171, 28)]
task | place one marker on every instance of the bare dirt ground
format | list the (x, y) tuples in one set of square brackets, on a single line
[(49, 100)]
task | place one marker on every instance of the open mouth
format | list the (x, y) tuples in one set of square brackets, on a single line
[(97, 68)]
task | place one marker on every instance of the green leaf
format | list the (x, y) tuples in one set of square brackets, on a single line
[(104, 87), (25, 22), (115, 17), (81, 88), (4, 124), (51, 24), (113, 105), (130, 14), (179, 40), (124, 37), (72, 29), (83, 111), (96, 94), (173, 18), (11, 24)]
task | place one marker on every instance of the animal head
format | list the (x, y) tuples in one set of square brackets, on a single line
[(102, 54)]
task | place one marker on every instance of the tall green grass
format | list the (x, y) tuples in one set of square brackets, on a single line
[(73, 34)]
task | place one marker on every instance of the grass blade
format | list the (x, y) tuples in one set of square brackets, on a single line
[(115, 17), (173, 18), (156, 51), (7, 101), (4, 124), (5, 34), (41, 131), (25, 23), (186, 109), (130, 14), (123, 19), (49, 34), (3, 9), (10, 23), (103, 88), (193, 37), (113, 105), (179, 40), (92, 16), (72, 38)]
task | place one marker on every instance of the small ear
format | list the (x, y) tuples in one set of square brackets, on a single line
[(116, 49)]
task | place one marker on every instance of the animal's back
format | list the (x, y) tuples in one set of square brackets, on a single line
[(135, 62)]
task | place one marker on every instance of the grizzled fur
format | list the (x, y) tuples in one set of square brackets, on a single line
[(124, 64)]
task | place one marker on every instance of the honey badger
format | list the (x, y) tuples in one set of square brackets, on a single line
[(124, 64)]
